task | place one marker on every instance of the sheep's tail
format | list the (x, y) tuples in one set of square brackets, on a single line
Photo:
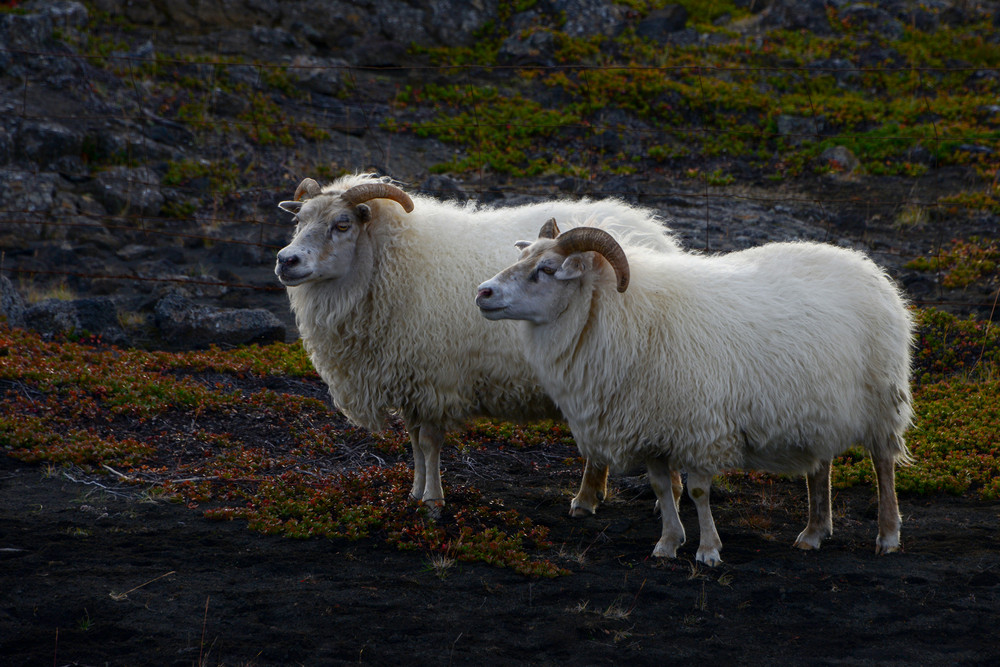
[(893, 443)]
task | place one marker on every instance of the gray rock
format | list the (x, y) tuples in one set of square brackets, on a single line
[(65, 14), (536, 48), (321, 75), (91, 316), (798, 130), (123, 190), (808, 15), (587, 18), (662, 22), (843, 163), (11, 304), (183, 323), (44, 142)]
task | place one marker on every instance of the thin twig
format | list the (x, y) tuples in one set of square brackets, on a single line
[(121, 596)]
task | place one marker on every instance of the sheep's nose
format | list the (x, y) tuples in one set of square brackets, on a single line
[(288, 261), (484, 293)]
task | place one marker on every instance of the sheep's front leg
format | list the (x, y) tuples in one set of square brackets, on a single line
[(709, 545), (820, 524), (662, 479), (426, 441), (593, 489), (888, 507)]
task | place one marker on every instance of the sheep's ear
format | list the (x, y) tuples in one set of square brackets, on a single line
[(292, 207), (549, 229), (572, 267), (521, 245)]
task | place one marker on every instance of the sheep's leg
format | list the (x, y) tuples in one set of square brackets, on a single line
[(820, 524), (699, 488), (663, 481), (431, 439), (593, 489), (888, 507), (419, 465), (677, 486)]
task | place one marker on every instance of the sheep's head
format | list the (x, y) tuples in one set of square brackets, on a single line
[(328, 226), (539, 287)]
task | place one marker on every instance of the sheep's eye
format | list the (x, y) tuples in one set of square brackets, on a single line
[(341, 224), (547, 270)]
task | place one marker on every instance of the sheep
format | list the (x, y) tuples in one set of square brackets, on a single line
[(378, 283), (776, 358)]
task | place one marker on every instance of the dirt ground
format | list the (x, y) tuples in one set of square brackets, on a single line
[(93, 576)]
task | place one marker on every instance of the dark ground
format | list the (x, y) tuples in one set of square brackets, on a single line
[(91, 576)]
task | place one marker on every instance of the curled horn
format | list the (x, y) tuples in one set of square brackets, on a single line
[(549, 230), (582, 239), (307, 189), (359, 194)]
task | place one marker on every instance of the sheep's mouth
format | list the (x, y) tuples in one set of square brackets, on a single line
[(290, 279), (492, 313)]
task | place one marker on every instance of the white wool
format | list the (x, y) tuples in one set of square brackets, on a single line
[(774, 358), (404, 334)]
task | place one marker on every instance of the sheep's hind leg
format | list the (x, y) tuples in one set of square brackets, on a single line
[(820, 524), (419, 465), (888, 507), (663, 480), (593, 489), (709, 545)]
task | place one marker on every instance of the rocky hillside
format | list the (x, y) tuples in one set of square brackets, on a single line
[(144, 145)]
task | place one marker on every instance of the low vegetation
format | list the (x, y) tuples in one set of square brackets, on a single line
[(247, 434)]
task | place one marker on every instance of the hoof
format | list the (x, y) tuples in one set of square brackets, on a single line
[(434, 507), (665, 550), (807, 542), (886, 546), (579, 510), (709, 557)]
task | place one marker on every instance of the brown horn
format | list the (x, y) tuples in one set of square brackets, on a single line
[(549, 229), (359, 194), (582, 239), (307, 189)]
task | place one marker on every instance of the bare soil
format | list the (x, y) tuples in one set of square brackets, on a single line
[(93, 575)]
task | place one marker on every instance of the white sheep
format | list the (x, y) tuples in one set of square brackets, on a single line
[(777, 358), (379, 283)]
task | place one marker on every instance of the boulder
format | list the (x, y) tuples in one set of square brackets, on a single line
[(96, 316), (184, 324), (123, 190), (11, 304)]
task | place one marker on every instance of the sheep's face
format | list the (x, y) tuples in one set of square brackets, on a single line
[(326, 236), (539, 287)]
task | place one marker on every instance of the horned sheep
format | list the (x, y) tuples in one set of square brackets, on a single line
[(776, 358), (378, 281)]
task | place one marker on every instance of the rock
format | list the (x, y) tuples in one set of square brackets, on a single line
[(798, 130), (808, 15), (443, 187), (91, 316), (64, 14), (11, 304), (43, 142), (321, 75), (182, 323), (537, 48), (875, 20), (842, 162), (587, 18), (662, 22), (123, 190)]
